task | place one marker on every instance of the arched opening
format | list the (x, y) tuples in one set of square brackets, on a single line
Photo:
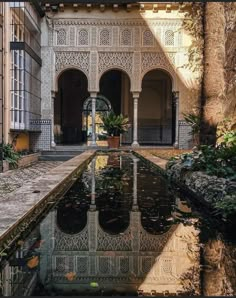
[(155, 113), (68, 107), (115, 86), (103, 106)]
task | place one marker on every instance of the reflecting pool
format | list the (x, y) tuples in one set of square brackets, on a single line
[(121, 229)]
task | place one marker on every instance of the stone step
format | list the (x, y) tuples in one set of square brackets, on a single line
[(64, 152), (57, 157)]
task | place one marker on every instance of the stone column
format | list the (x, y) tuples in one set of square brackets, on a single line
[(135, 120), (93, 96), (135, 194), (53, 95), (176, 105)]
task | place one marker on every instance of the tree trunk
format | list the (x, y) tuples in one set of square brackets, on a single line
[(213, 78)]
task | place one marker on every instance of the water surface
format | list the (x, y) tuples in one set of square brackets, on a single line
[(121, 229)]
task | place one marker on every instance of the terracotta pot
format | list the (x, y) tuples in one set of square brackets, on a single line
[(113, 142)]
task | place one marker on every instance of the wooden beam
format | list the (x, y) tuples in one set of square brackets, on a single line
[(115, 7), (75, 7), (128, 7), (89, 6), (102, 7), (155, 8), (61, 7), (168, 7), (142, 7)]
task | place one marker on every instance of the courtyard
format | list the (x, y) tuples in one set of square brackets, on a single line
[(117, 148)]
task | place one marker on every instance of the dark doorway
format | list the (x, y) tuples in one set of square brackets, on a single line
[(68, 107), (115, 86), (155, 113)]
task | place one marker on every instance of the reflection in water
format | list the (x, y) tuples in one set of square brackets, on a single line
[(119, 229)]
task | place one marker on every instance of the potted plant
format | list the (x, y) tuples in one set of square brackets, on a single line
[(194, 121), (114, 125)]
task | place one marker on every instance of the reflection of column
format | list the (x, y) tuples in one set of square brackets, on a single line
[(135, 194), (93, 96), (53, 95), (176, 105), (93, 185), (135, 121)]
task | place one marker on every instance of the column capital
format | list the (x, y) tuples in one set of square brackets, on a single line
[(93, 94), (175, 95), (53, 93), (136, 94)]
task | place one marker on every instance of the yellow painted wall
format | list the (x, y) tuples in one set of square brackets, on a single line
[(22, 142)]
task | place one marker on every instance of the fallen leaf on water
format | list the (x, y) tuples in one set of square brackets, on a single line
[(70, 276), (94, 284), (33, 262)]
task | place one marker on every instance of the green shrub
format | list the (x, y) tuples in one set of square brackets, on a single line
[(219, 161), (227, 207), (10, 155)]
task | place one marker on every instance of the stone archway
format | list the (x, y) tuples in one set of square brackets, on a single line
[(115, 84), (155, 113), (68, 107)]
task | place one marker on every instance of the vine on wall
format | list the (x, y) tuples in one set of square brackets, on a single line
[(193, 25)]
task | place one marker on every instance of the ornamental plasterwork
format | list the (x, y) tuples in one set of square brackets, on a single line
[(151, 30), (108, 60), (67, 242), (150, 60), (126, 37), (147, 38), (77, 59), (132, 22), (105, 37), (82, 37), (107, 242)]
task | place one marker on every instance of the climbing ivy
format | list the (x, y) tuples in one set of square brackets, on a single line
[(193, 25)]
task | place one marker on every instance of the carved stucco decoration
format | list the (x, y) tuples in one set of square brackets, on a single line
[(121, 60), (110, 37), (158, 60), (66, 60)]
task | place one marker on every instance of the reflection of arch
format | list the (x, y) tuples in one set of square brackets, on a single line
[(71, 219), (113, 221)]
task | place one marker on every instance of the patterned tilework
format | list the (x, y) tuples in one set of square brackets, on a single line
[(185, 138), (41, 141)]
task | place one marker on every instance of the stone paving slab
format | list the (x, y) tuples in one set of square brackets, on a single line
[(27, 199), (161, 163), (11, 180)]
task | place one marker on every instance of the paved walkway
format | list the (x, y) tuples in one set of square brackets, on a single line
[(16, 178), (23, 206)]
